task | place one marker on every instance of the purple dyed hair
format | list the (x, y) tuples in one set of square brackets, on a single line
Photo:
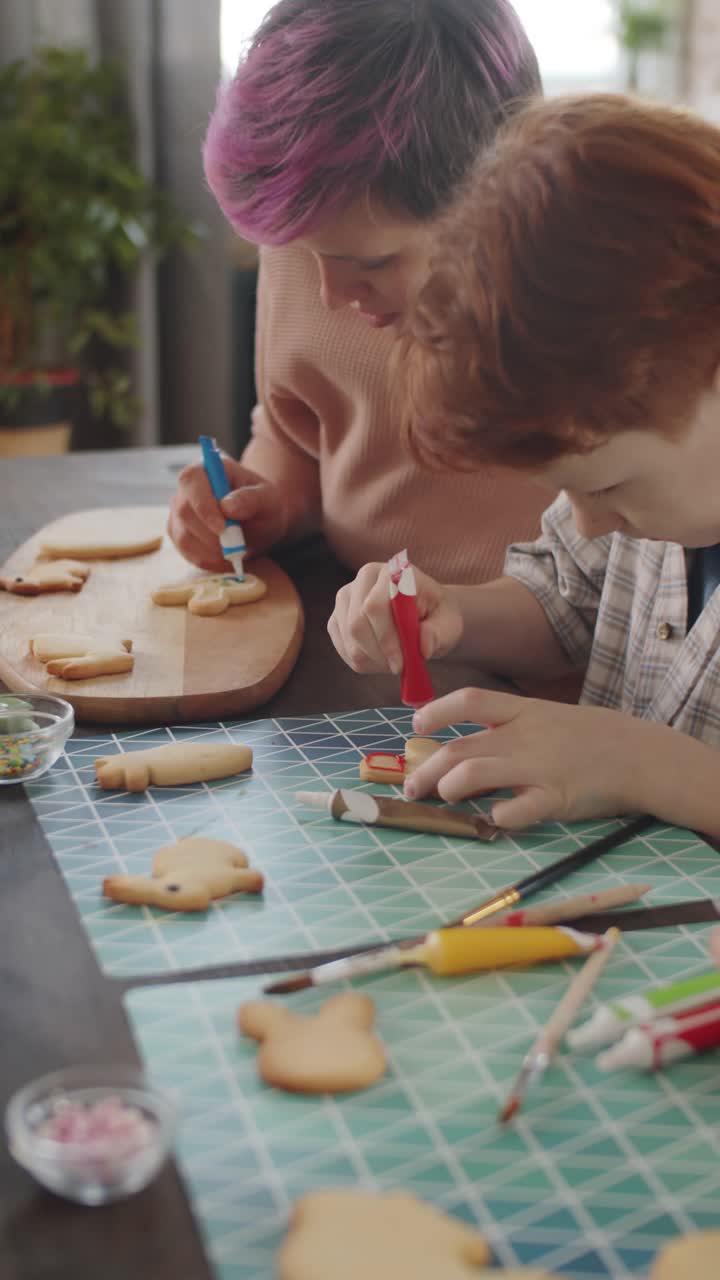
[(337, 98)]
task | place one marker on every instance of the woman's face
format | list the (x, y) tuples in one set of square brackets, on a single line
[(370, 260)]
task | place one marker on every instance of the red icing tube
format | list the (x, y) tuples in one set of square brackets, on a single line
[(416, 686)]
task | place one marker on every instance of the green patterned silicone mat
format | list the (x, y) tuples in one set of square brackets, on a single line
[(328, 884), (596, 1173)]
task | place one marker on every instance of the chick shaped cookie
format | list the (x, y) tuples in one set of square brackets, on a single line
[(210, 595), (59, 575), (80, 657), (389, 768), (333, 1051), (173, 765), (187, 876), (358, 1235)]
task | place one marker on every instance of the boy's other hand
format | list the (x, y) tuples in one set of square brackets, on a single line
[(562, 762), (362, 627), (197, 519)]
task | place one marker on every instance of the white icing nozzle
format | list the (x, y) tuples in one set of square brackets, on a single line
[(232, 541)]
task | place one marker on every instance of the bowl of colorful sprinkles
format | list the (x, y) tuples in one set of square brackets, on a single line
[(91, 1134), (33, 731)]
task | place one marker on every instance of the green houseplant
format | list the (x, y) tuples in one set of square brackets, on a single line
[(76, 214), (641, 28)]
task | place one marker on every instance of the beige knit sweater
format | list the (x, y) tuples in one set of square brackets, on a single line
[(324, 426)]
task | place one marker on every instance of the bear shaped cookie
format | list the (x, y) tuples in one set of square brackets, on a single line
[(333, 1051), (387, 767), (346, 1234), (79, 657), (211, 595), (173, 765), (60, 575), (187, 876)]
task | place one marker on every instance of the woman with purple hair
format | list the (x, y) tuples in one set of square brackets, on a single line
[(345, 133)]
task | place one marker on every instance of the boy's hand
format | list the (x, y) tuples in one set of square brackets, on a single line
[(362, 627), (562, 762), (197, 519)]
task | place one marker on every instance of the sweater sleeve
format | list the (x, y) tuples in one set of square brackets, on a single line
[(566, 574), (284, 442)]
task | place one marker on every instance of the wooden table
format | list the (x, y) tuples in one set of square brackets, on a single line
[(56, 1007)]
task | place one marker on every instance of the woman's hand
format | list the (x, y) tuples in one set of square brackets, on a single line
[(362, 627), (197, 518), (562, 762)]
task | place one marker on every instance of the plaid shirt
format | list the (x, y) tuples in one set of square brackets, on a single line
[(619, 608)]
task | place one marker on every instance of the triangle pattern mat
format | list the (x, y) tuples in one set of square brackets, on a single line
[(597, 1172)]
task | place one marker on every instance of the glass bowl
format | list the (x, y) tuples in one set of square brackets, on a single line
[(34, 728), (91, 1134)]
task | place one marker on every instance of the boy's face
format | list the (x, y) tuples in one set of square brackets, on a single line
[(647, 485), (370, 260)]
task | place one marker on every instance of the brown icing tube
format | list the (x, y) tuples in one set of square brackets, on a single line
[(405, 815)]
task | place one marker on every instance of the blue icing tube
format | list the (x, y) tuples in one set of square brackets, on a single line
[(232, 539)]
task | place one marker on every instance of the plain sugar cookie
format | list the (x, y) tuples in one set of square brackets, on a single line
[(105, 535), (174, 765), (211, 595), (76, 657), (355, 1235), (187, 876), (333, 1051), (692, 1257), (61, 575)]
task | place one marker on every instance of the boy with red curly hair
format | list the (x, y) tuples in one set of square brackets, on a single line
[(570, 329)]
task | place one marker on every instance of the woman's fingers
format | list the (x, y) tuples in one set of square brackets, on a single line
[(196, 543)]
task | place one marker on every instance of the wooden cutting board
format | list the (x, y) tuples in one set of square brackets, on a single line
[(187, 668)]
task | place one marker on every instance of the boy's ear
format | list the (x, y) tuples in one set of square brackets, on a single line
[(716, 380)]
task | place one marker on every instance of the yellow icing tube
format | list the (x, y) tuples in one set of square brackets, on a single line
[(456, 949), (463, 950)]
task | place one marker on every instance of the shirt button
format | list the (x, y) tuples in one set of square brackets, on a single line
[(664, 631)]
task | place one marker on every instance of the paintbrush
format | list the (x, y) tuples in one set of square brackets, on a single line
[(514, 893), (545, 876), (448, 952), (648, 918), (543, 1050), (561, 910)]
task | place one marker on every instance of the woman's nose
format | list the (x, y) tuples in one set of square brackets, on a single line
[(338, 287)]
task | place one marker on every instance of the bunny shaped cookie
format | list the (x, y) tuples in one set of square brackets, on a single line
[(333, 1051)]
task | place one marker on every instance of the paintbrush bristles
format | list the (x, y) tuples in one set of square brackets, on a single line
[(543, 1050), (287, 985)]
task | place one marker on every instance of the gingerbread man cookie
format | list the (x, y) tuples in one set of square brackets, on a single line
[(210, 595), (60, 575), (333, 1051), (358, 1235), (384, 766), (76, 657), (186, 876), (173, 765)]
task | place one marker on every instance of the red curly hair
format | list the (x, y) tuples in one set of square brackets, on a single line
[(575, 290)]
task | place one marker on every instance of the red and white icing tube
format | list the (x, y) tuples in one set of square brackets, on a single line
[(416, 686), (656, 1044)]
